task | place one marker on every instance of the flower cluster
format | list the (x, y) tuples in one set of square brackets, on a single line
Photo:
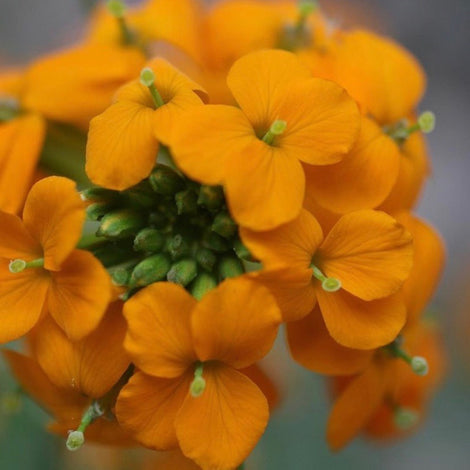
[(242, 178)]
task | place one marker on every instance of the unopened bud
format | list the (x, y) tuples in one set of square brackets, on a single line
[(215, 242), (98, 210), (150, 270), (121, 223), (242, 251), (203, 283), (206, 258), (166, 181), (211, 197), (419, 365), (230, 266), (149, 240), (183, 272), (120, 276), (75, 440), (224, 225), (99, 195), (186, 202), (178, 247)]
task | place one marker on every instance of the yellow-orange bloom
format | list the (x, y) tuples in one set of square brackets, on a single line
[(123, 141), (374, 400), (285, 118), (64, 377), (190, 391), (354, 273), (40, 270)]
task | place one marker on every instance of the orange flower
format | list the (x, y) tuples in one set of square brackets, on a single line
[(387, 398), (21, 140), (177, 23), (74, 85), (40, 270), (189, 391), (383, 77), (363, 179), (65, 377), (285, 118), (354, 273), (141, 118), (428, 263)]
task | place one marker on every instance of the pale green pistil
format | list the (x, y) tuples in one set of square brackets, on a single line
[(19, 265), (198, 385), (328, 284), (277, 128), (147, 78)]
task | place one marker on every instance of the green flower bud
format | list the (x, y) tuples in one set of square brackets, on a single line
[(98, 210), (206, 258), (121, 223), (211, 197), (158, 220), (178, 247), (113, 252), (149, 240), (242, 251), (141, 195), (230, 266), (183, 272), (224, 225), (186, 202), (120, 276), (203, 283), (99, 195), (150, 270), (166, 181), (215, 242)]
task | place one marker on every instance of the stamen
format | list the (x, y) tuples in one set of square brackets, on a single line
[(277, 128), (19, 265), (198, 385), (147, 78), (329, 284)]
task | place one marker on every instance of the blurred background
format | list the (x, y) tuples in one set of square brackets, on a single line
[(438, 33)]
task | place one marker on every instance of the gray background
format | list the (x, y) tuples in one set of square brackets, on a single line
[(437, 32)]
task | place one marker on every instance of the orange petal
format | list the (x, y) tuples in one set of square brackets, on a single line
[(369, 252), (22, 298), (367, 64), (79, 294), (292, 288), (21, 142), (236, 323), (159, 337), (428, 263), (414, 169), (355, 406), (15, 241), (321, 129), (147, 408), (257, 77), (312, 346), (220, 428), (63, 404), (357, 324), (205, 136), (292, 244), (57, 83), (265, 186), (54, 215), (264, 382), (90, 366), (363, 179), (121, 148)]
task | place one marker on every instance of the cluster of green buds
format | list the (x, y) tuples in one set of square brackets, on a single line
[(166, 228)]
